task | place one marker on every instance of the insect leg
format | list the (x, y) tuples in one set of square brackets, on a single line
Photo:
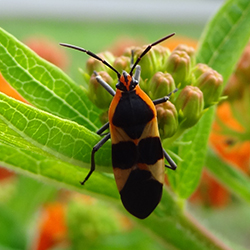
[(165, 98), (137, 73), (102, 129), (104, 84), (169, 160), (161, 100), (94, 150)]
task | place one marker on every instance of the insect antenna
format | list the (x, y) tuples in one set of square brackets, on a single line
[(147, 50), (92, 55)]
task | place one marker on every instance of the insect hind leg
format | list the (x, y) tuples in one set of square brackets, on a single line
[(102, 129), (172, 164), (94, 150)]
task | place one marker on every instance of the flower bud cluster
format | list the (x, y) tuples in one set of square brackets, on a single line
[(162, 71)]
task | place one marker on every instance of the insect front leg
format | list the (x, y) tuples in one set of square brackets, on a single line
[(165, 98), (104, 84), (172, 164), (161, 100), (94, 150)]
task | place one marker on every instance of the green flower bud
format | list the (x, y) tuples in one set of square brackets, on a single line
[(167, 119), (210, 83), (178, 65), (146, 63), (95, 65), (189, 50), (122, 63), (161, 84), (190, 105), (200, 69), (161, 55), (152, 62), (97, 94)]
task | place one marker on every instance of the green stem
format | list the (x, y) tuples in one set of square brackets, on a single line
[(202, 233), (169, 141), (176, 229)]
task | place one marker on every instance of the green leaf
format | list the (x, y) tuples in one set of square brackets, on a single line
[(10, 229), (20, 203), (188, 173), (43, 84), (37, 151), (27, 159), (225, 37), (47, 147), (235, 180), (61, 138), (221, 46)]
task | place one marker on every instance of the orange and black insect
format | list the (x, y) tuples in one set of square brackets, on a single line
[(137, 153)]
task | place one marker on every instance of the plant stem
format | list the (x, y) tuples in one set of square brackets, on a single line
[(169, 141), (203, 233), (176, 229)]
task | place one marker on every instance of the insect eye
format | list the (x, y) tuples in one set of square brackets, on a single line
[(133, 84), (121, 86)]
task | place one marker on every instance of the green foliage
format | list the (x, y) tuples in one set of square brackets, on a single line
[(220, 47), (44, 85), (53, 140)]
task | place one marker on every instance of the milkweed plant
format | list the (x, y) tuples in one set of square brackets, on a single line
[(51, 138)]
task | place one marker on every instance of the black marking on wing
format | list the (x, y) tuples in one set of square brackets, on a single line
[(132, 114), (141, 193)]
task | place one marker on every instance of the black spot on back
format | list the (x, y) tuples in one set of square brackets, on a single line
[(150, 150), (132, 114), (124, 154)]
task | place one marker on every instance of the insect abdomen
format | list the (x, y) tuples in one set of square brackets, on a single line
[(141, 193)]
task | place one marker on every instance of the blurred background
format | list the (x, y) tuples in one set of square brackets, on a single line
[(97, 25), (100, 25), (180, 11)]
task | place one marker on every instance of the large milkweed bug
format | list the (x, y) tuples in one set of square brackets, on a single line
[(137, 153)]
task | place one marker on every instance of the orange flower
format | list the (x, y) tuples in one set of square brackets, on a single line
[(121, 44), (176, 40), (53, 228), (5, 173), (8, 90), (210, 192), (48, 50), (236, 154)]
